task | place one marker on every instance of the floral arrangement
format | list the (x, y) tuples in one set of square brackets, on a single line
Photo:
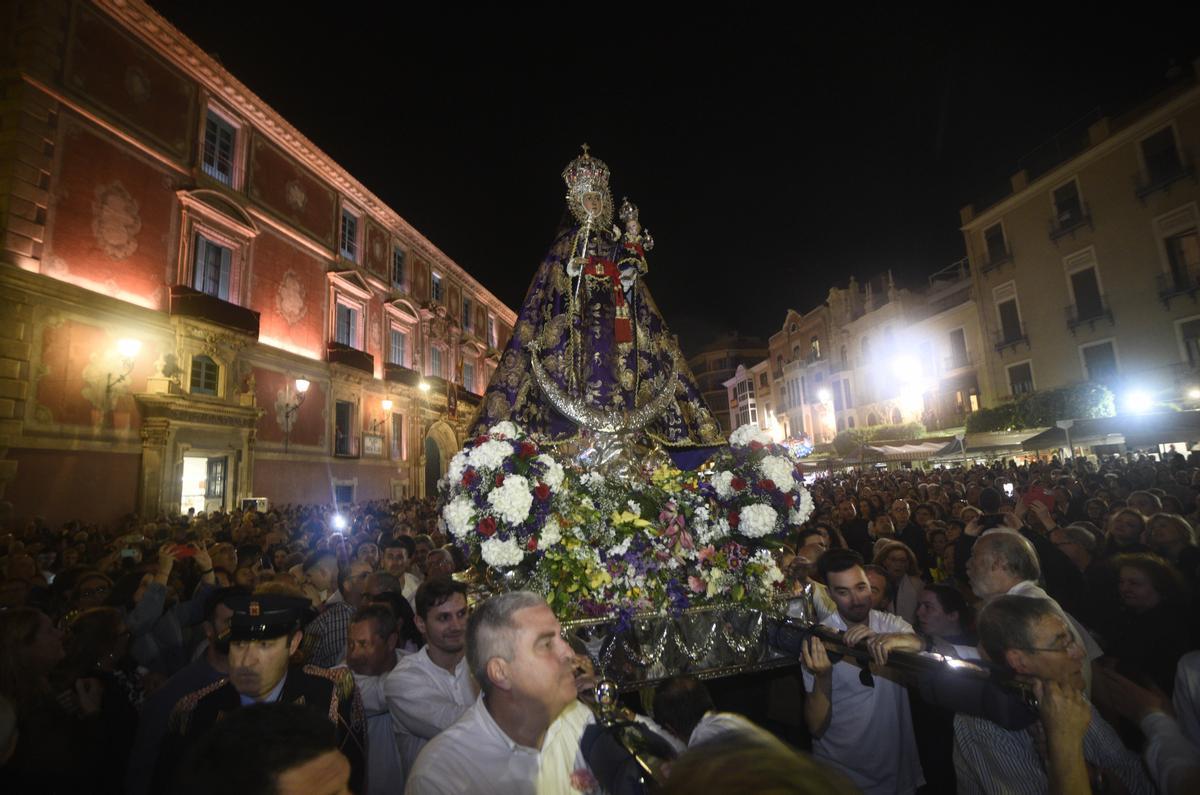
[(597, 547)]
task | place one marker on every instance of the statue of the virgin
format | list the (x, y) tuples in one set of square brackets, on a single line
[(591, 366)]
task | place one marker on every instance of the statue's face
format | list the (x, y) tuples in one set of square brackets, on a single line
[(593, 203)]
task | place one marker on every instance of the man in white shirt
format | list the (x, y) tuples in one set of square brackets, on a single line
[(431, 689), (684, 707), (372, 656), (864, 731), (397, 558), (1005, 563), (509, 737)]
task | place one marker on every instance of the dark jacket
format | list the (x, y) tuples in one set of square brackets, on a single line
[(331, 692)]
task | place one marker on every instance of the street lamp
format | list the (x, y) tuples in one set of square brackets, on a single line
[(377, 425), (290, 409), (128, 349)]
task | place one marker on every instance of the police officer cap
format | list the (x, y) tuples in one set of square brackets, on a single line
[(265, 616)]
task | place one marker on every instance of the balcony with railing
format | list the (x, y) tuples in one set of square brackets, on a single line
[(187, 302), (1089, 313), (1165, 174), (1174, 285), (337, 353), (956, 361), (1070, 220), (997, 258), (1011, 338)]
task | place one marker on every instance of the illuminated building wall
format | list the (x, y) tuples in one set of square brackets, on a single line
[(1089, 268), (147, 196)]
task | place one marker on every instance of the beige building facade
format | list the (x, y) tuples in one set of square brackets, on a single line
[(1089, 270)]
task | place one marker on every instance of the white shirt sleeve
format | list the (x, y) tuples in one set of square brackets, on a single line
[(418, 706), (1169, 755)]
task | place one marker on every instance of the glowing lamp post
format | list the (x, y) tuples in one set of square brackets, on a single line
[(291, 407)]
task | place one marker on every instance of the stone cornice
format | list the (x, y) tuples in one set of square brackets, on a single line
[(169, 42)]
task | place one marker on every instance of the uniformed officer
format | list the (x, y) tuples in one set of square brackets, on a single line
[(265, 631)]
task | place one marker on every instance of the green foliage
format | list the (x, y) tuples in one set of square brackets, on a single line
[(1043, 409), (851, 439)]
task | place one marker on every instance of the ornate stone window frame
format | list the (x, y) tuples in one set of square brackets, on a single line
[(402, 316), (209, 213), (351, 290), (240, 139)]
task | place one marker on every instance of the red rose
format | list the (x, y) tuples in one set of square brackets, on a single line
[(738, 484), (527, 449), (733, 518), (787, 501), (756, 445), (767, 485), (542, 492), (470, 477), (486, 527), (499, 478), (531, 544), (480, 439)]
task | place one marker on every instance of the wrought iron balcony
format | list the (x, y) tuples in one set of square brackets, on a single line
[(996, 260), (956, 362), (337, 353), (1012, 338), (1171, 285), (1070, 222), (192, 303), (1163, 178), (1078, 315)]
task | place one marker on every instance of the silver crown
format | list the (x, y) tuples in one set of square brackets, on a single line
[(587, 175)]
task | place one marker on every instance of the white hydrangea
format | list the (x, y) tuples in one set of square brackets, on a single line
[(757, 520), (459, 515), (778, 470), (554, 471), (458, 465), (712, 531), (801, 512), (550, 535), (505, 429), (489, 455), (634, 508), (748, 433), (721, 482), (701, 514), (511, 500), (502, 553)]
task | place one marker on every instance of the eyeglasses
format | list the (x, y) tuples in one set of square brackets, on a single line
[(97, 591), (1070, 644)]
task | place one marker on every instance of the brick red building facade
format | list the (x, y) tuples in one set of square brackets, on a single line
[(147, 196)]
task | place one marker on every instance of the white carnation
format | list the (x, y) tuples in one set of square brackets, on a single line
[(550, 535), (502, 553), (748, 433), (778, 470), (554, 471), (592, 479), (634, 508), (458, 465), (721, 482), (701, 514), (757, 520), (489, 455), (512, 500), (505, 430), (771, 573), (459, 514), (621, 548)]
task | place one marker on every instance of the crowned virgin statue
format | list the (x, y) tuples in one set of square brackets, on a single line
[(591, 367)]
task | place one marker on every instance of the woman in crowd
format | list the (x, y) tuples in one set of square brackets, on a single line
[(904, 575), (1152, 629), (1123, 534)]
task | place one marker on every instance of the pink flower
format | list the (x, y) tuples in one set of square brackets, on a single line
[(582, 780), (697, 585), (706, 553)]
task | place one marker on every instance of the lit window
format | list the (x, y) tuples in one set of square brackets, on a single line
[(346, 325), (343, 429), (1020, 378), (211, 268), (469, 376), (399, 347), (219, 139), (398, 267), (204, 376), (349, 235), (436, 289)]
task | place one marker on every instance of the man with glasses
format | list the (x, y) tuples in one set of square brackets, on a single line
[(1070, 748)]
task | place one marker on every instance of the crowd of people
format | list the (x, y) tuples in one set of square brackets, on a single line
[(339, 654)]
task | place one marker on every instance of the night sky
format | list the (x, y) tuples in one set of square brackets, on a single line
[(771, 156)]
